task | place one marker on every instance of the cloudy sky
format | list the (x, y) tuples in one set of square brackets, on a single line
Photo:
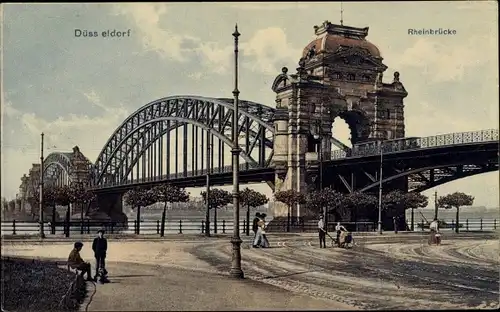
[(78, 90)]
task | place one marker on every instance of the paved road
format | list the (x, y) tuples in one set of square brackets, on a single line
[(380, 273), (461, 273), (136, 287)]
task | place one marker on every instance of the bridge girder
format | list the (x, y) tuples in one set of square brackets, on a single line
[(415, 171)]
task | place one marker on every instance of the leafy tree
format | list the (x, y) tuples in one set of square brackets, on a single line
[(318, 200), (50, 200), (393, 206), (252, 198), (396, 202), (455, 200), (83, 197), (168, 193), (64, 197), (138, 198), (217, 198), (290, 198), (350, 204), (415, 200), (12, 205)]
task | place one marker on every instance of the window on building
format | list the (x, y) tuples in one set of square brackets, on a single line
[(366, 78), (351, 77), (388, 113), (337, 75)]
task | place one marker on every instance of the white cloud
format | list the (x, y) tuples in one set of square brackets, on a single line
[(267, 50), (442, 61), (196, 76), (269, 6), (61, 135), (270, 51), (216, 59), (146, 17)]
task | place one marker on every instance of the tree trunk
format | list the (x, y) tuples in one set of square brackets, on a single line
[(248, 220), (81, 218), (68, 227), (288, 220), (412, 219), (207, 221), (138, 222), (458, 221), (215, 220), (163, 219), (53, 227)]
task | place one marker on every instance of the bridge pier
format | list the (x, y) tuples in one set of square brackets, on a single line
[(109, 208)]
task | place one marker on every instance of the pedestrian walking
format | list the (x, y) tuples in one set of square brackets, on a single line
[(434, 230), (262, 224), (255, 228), (321, 232)]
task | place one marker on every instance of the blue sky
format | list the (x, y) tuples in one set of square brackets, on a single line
[(78, 90)]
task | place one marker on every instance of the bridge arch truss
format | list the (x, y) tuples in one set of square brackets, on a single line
[(57, 168), (168, 138)]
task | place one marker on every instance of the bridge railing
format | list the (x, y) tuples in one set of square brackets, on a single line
[(404, 144), (467, 225), (197, 226), (174, 226), (193, 173)]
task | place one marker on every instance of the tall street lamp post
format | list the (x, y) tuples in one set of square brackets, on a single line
[(207, 195), (236, 240), (380, 190), (80, 204), (435, 205), (319, 138), (42, 234)]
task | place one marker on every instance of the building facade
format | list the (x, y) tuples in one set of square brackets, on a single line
[(340, 74)]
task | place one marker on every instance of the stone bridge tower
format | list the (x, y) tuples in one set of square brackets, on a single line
[(339, 75)]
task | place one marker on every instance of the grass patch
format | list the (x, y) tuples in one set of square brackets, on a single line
[(34, 285)]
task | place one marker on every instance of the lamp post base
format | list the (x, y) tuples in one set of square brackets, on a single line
[(236, 271)]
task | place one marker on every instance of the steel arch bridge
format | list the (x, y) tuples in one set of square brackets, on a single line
[(57, 168), (141, 147)]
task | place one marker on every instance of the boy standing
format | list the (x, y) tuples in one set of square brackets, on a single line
[(100, 246)]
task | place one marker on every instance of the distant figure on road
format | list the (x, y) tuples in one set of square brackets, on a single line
[(321, 232), (75, 261), (339, 228), (100, 247), (434, 227), (255, 228), (262, 225)]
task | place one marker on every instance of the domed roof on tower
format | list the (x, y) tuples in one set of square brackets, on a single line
[(331, 37)]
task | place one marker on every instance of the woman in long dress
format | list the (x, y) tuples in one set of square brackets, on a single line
[(264, 243)]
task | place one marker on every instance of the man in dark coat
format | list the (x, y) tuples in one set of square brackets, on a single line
[(100, 246)]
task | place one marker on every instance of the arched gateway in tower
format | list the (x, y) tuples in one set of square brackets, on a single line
[(339, 75)]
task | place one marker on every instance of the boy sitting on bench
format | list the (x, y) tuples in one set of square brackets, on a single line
[(75, 261)]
